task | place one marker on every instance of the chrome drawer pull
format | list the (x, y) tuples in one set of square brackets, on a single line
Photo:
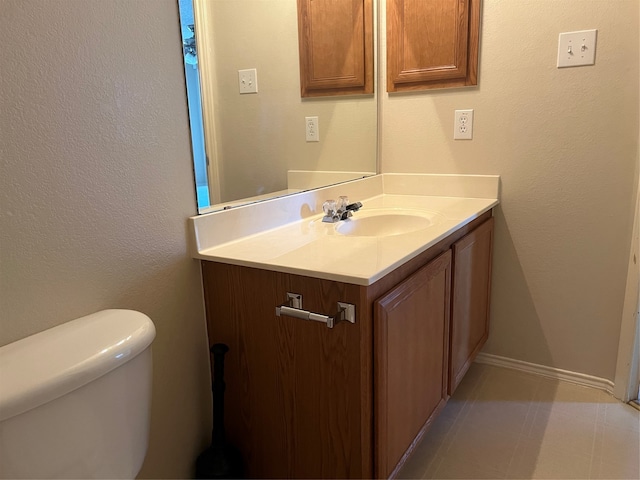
[(346, 312)]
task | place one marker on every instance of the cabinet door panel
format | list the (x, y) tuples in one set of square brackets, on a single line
[(336, 47), (294, 388), (432, 44), (411, 324), (470, 299)]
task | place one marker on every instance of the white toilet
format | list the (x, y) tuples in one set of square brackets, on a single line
[(75, 399)]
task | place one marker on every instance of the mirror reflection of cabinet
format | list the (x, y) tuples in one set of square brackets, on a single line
[(336, 47), (432, 44)]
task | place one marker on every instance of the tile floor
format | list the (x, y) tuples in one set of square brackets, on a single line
[(501, 423)]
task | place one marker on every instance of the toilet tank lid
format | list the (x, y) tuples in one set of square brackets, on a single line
[(52, 363)]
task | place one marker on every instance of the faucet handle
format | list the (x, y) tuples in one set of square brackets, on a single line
[(343, 201), (329, 208)]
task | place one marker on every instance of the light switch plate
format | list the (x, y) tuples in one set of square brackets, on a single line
[(248, 81), (577, 48)]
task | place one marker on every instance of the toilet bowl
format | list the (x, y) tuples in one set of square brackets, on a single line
[(75, 399)]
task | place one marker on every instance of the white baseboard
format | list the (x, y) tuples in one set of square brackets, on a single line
[(551, 372)]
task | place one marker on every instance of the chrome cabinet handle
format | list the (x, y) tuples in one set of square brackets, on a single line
[(293, 308)]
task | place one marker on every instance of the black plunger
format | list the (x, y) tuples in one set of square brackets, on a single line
[(220, 460)]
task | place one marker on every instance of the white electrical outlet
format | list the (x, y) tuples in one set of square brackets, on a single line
[(577, 48), (463, 125), (248, 81), (313, 132)]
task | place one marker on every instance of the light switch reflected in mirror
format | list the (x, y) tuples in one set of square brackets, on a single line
[(251, 147)]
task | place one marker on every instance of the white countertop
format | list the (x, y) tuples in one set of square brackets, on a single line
[(309, 247)]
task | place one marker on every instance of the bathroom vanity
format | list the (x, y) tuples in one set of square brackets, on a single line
[(307, 401)]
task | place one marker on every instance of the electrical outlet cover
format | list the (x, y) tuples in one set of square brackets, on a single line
[(463, 125), (312, 128)]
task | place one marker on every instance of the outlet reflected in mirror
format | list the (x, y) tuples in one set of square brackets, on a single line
[(251, 147)]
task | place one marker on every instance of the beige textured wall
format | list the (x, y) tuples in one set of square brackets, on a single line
[(565, 142), (96, 185), (261, 136)]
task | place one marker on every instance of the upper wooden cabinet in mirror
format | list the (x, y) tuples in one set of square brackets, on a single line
[(432, 44), (336, 47)]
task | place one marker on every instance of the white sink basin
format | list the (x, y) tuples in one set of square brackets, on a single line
[(385, 223)]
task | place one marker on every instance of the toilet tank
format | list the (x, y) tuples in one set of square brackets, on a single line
[(75, 399)]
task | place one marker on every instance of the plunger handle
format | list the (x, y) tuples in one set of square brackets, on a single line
[(218, 350)]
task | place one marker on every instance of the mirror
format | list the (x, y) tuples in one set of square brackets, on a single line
[(252, 146)]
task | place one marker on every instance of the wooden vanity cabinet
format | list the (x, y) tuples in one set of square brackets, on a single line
[(306, 401), (298, 399)]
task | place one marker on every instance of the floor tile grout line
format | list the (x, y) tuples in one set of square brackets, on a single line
[(453, 431), (437, 457), (524, 425), (596, 459)]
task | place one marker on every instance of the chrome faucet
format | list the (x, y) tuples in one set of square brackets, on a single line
[(340, 210)]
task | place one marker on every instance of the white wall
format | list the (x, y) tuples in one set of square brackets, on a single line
[(627, 380), (565, 142), (96, 185)]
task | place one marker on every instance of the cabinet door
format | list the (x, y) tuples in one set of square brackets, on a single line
[(470, 299), (411, 345), (336, 47), (432, 44), (298, 394)]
